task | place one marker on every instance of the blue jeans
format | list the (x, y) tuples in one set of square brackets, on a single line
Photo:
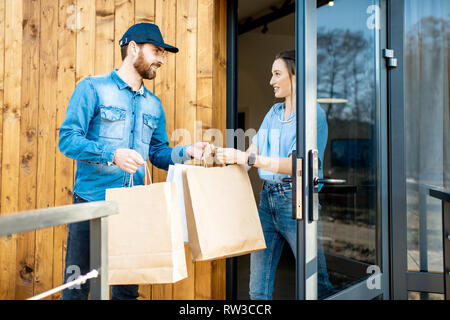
[(275, 213), (77, 263)]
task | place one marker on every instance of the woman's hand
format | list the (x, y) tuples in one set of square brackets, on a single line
[(231, 156)]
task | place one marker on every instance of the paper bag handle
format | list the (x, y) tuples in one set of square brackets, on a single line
[(203, 159), (147, 175)]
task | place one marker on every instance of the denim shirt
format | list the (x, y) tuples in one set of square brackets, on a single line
[(104, 114), (277, 139)]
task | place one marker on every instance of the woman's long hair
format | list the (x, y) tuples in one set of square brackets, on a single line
[(288, 57)]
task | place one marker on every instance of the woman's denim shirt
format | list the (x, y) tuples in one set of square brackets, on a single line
[(278, 139), (104, 114)]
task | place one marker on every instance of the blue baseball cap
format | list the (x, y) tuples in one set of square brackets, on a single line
[(146, 33)]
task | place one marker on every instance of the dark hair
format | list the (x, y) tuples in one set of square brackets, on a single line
[(288, 57), (123, 51)]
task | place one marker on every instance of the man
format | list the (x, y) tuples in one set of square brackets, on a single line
[(112, 124)]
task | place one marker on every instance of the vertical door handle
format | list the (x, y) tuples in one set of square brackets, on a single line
[(313, 192), (297, 186)]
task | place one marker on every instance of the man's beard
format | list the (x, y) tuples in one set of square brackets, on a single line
[(144, 68)]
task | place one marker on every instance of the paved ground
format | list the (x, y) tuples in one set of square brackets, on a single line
[(355, 241)]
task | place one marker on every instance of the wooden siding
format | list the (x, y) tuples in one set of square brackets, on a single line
[(46, 48)]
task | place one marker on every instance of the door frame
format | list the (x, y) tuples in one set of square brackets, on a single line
[(402, 280), (306, 95), (305, 231), (231, 120), (397, 174)]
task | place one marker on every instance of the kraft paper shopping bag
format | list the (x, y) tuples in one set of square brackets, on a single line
[(145, 238), (221, 213)]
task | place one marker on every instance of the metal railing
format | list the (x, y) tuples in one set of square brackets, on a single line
[(444, 195), (96, 212), (424, 281)]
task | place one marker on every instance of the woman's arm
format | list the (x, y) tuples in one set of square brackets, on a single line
[(277, 165), (252, 149), (233, 156)]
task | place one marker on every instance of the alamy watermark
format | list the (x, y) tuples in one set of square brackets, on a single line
[(75, 273), (374, 281), (73, 22), (373, 21)]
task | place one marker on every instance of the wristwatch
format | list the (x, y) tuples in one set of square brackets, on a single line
[(251, 159)]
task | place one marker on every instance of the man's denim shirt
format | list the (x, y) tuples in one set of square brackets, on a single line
[(105, 114)]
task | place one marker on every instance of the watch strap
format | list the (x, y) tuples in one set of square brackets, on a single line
[(251, 159)]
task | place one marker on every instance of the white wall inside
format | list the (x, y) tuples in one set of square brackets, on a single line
[(256, 53)]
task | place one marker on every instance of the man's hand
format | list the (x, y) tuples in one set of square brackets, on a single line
[(128, 160), (200, 149), (231, 156)]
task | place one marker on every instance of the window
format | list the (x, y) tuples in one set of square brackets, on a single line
[(427, 136)]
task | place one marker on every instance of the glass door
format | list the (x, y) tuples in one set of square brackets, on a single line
[(341, 166)]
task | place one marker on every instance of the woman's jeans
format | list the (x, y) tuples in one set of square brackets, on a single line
[(77, 263), (275, 213)]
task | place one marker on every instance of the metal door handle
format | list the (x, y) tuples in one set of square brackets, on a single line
[(318, 181), (297, 185)]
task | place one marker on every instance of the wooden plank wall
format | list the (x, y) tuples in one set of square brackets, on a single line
[(46, 48)]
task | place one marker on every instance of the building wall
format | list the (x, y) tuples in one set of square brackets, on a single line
[(47, 47)]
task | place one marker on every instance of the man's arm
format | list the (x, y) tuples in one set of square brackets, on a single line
[(72, 134), (160, 154)]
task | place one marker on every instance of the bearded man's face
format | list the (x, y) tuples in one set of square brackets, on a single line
[(149, 59)]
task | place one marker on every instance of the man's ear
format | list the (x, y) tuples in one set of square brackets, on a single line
[(133, 49)]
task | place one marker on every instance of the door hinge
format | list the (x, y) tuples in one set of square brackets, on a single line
[(391, 60)]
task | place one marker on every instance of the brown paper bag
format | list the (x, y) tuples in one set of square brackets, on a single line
[(221, 213), (145, 239)]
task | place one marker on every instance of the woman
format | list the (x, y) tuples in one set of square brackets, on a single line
[(271, 152)]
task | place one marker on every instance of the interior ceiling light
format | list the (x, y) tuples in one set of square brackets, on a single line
[(331, 3)]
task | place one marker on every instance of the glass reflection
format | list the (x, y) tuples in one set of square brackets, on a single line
[(427, 126), (347, 93)]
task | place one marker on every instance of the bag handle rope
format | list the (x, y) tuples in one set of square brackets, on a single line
[(147, 177)]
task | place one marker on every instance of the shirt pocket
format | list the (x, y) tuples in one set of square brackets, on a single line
[(112, 123), (150, 123)]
